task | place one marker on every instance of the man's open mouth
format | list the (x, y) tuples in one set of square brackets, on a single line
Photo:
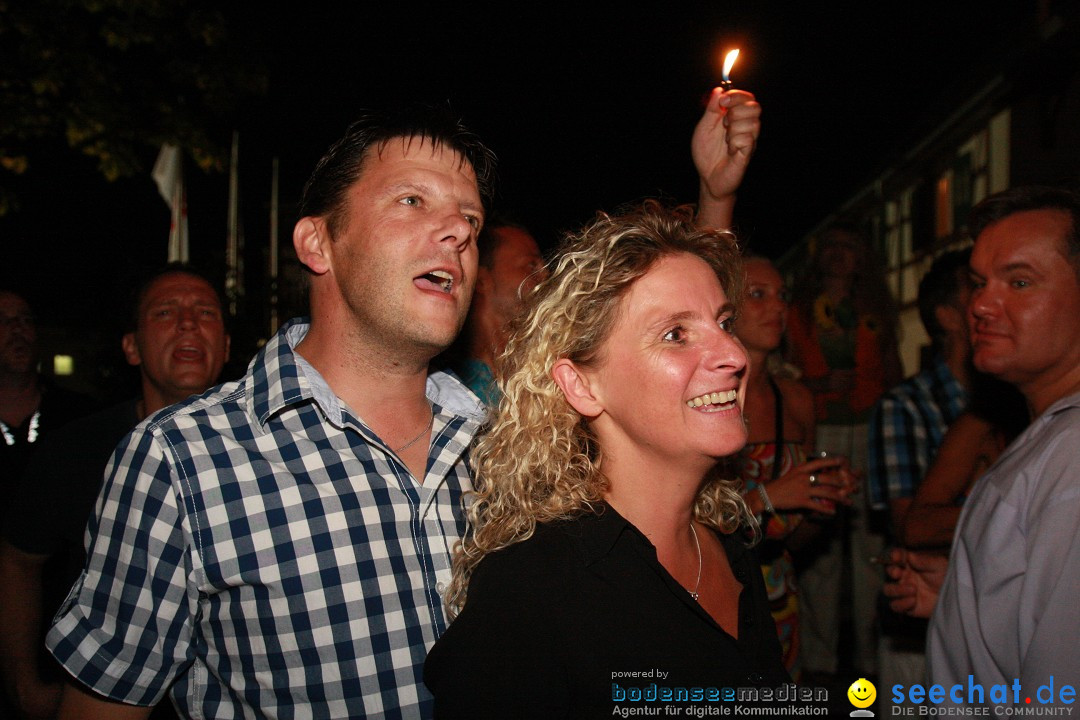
[(441, 279)]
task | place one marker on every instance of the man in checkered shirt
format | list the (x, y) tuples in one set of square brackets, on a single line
[(910, 420), (278, 546)]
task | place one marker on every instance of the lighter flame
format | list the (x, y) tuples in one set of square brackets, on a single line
[(729, 60)]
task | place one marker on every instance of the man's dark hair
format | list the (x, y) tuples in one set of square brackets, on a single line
[(17, 292), (341, 166), (148, 279), (941, 285), (1031, 197)]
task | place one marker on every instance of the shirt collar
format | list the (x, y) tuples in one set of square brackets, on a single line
[(282, 378), (276, 378), (1069, 401), (1037, 427), (599, 529), (448, 392)]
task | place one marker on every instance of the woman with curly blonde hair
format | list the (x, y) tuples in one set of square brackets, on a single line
[(603, 542)]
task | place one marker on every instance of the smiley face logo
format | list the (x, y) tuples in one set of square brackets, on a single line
[(862, 693)]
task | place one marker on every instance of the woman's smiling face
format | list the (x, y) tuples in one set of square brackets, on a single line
[(669, 376)]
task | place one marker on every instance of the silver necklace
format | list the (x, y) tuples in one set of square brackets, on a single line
[(31, 435), (697, 583), (427, 426)]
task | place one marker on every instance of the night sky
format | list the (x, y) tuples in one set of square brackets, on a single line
[(587, 109)]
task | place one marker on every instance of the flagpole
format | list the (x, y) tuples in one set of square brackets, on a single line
[(232, 237), (274, 190)]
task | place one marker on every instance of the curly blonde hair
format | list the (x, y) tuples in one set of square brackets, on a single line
[(539, 460)]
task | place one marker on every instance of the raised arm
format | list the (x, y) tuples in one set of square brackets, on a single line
[(722, 144)]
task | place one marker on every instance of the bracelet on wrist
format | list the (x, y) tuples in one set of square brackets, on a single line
[(765, 500)]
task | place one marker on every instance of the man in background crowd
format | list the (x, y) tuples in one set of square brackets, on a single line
[(1006, 607), (907, 427), (510, 266), (178, 341), (30, 407)]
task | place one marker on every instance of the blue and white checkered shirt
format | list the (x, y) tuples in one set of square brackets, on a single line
[(906, 429), (262, 552)]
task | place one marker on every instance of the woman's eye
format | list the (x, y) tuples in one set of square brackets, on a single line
[(674, 335), (757, 293)]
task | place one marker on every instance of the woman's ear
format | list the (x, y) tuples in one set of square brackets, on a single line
[(577, 387)]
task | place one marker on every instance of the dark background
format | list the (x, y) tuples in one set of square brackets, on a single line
[(586, 107)]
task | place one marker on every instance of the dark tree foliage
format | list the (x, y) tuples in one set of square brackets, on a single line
[(113, 77)]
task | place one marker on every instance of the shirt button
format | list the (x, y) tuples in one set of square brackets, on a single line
[(440, 587)]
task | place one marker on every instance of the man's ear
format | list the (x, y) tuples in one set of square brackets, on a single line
[(577, 387), (131, 349), (311, 240)]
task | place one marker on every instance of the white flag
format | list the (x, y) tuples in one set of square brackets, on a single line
[(168, 173)]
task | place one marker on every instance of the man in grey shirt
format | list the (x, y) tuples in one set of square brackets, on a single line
[(1008, 610)]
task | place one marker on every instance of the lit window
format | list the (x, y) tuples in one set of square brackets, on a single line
[(63, 365)]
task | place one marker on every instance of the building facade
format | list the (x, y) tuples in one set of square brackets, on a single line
[(1019, 124)]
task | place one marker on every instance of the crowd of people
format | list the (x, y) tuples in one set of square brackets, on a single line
[(476, 482)]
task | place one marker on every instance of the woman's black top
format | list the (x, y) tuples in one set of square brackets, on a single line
[(581, 617)]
